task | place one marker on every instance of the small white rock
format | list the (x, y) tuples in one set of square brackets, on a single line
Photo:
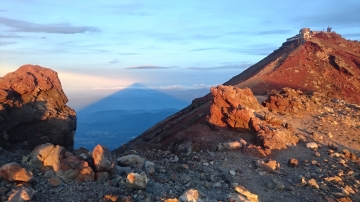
[(232, 172), (312, 145)]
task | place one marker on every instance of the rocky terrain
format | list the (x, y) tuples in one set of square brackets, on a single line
[(33, 110), (294, 143), (318, 162)]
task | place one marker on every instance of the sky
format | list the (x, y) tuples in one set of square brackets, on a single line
[(98, 45)]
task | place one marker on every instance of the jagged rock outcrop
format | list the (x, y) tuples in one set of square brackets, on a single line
[(239, 109), (232, 107), (33, 110)]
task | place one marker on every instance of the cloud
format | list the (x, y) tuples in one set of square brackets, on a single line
[(114, 61), (110, 88), (2, 10), (250, 51), (261, 49), (262, 33), (232, 66), (74, 80), (181, 87), (169, 87), (178, 37), (10, 37), (14, 36), (55, 28), (149, 67), (4, 43), (352, 35)]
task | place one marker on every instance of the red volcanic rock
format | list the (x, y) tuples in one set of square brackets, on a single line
[(231, 107), (103, 159), (234, 107), (13, 172), (275, 139), (33, 109), (287, 101), (290, 101)]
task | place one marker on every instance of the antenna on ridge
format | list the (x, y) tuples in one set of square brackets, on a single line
[(329, 29)]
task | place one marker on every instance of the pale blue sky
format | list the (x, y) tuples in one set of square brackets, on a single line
[(104, 44)]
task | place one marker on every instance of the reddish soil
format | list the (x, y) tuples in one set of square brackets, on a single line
[(326, 63)]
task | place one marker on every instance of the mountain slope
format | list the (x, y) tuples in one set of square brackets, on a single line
[(326, 63)]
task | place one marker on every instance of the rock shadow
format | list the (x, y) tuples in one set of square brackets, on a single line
[(34, 123)]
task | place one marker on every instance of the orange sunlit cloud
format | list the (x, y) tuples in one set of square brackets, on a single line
[(76, 81)]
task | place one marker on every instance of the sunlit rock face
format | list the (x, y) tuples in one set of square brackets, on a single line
[(33, 110)]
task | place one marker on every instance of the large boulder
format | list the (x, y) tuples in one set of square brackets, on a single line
[(13, 172), (54, 159), (232, 107), (103, 159), (136, 180), (33, 110), (21, 195)]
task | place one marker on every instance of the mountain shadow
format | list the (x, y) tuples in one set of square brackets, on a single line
[(134, 97), (122, 116)]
